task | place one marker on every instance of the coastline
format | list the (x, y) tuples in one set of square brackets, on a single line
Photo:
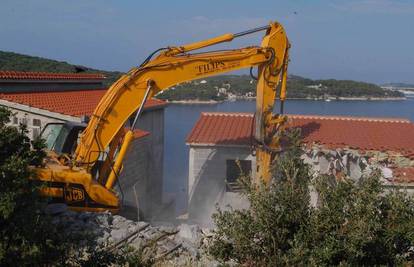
[(212, 102), (191, 102)]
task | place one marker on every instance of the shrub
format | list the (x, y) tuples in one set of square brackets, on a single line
[(27, 235), (354, 224)]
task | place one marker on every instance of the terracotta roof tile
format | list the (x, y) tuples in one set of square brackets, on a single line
[(20, 75), (222, 128), (359, 133), (404, 175), (73, 103), (383, 134), (138, 133)]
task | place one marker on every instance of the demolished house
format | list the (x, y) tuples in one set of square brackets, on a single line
[(221, 149)]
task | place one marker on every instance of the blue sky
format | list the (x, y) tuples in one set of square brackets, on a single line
[(367, 40)]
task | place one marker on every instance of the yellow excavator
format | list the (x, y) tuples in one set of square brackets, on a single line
[(85, 161)]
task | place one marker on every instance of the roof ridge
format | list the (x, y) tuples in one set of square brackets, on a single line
[(348, 118), (238, 114), (313, 117), (21, 75)]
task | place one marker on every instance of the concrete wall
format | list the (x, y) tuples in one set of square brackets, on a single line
[(27, 114), (134, 180), (153, 121), (27, 118), (206, 182)]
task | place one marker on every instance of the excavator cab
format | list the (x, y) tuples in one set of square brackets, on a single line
[(62, 137)]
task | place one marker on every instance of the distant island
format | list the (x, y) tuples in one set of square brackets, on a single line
[(398, 85), (229, 87), (218, 88)]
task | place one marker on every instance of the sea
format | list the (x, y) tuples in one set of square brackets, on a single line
[(180, 119)]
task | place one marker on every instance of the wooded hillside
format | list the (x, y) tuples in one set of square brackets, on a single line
[(214, 88), (10, 61)]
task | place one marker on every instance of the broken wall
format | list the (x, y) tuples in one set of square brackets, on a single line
[(346, 162)]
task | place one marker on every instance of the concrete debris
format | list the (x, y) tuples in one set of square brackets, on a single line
[(386, 173), (353, 163), (191, 233), (402, 162), (182, 245), (336, 162), (380, 156)]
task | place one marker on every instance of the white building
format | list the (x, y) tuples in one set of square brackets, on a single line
[(219, 144), (221, 148)]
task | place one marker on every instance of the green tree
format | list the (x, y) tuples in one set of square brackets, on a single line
[(357, 224), (354, 224), (23, 235), (28, 236)]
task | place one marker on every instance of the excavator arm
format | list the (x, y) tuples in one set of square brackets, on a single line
[(175, 66), (172, 66)]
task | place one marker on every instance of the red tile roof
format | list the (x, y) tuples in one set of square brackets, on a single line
[(404, 175), (73, 103), (138, 133), (357, 133), (334, 131), (20, 75), (222, 129)]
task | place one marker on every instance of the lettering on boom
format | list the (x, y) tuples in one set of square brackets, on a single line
[(212, 67)]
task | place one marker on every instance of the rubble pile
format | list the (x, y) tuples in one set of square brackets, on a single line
[(355, 164), (182, 245)]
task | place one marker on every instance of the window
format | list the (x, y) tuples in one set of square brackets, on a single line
[(35, 133), (235, 169), (37, 122), (54, 134), (23, 121)]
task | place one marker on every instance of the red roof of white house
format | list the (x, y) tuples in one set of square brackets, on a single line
[(20, 75), (73, 103), (360, 133), (380, 134), (222, 129)]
